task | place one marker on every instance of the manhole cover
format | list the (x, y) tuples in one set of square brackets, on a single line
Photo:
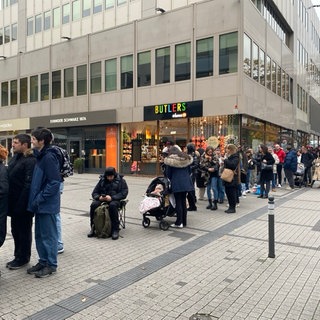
[(202, 316)]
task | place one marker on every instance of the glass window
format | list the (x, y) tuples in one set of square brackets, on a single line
[(47, 20), (38, 23), (247, 55), (121, 2), (81, 80), (126, 67), (287, 88), (29, 26), (86, 8), (56, 17), (4, 93), (13, 92), (75, 10), (66, 13), (109, 4), (14, 32), (24, 90), (279, 72), (7, 34), (144, 69), (274, 77), (44, 86), (283, 84), (56, 84), (182, 61), (204, 64), (34, 88), (97, 6), (261, 67), (268, 73), (228, 53), (68, 82), (95, 77), (163, 65), (111, 75), (1, 36), (255, 61)]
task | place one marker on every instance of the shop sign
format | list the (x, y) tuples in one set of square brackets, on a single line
[(75, 119), (175, 110), (15, 124)]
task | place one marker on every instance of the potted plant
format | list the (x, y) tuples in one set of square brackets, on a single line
[(78, 165)]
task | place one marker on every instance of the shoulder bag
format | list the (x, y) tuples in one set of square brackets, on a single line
[(227, 175)]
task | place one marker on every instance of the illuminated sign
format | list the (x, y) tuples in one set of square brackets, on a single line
[(174, 110)]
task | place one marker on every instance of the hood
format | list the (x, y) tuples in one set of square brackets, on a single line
[(177, 161)]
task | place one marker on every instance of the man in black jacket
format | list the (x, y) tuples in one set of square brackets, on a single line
[(111, 188), (307, 159), (20, 170)]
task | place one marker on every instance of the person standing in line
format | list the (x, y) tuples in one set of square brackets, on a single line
[(4, 190), (191, 196), (307, 159), (274, 170), (231, 161), (178, 168), (290, 165), (20, 171), (200, 180), (44, 202), (281, 155)]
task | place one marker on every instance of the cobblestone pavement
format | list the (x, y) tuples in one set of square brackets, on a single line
[(215, 268)]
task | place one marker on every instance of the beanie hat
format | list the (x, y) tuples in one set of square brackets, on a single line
[(110, 171)]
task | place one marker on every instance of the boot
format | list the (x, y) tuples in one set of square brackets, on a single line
[(91, 234), (214, 207), (312, 183), (210, 204)]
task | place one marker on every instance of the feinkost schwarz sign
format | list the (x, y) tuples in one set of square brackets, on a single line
[(187, 109)]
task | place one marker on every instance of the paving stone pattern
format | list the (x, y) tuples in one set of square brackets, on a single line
[(216, 268)]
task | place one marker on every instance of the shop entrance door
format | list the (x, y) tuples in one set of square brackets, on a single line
[(176, 130), (75, 149)]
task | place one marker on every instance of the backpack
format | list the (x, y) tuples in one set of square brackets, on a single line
[(66, 167), (102, 222)]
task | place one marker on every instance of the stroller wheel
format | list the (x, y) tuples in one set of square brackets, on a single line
[(164, 225), (146, 222)]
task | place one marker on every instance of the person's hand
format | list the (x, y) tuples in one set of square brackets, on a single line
[(211, 169)]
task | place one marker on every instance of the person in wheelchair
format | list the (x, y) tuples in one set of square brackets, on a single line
[(111, 188)]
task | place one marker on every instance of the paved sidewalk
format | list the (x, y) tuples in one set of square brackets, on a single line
[(216, 268)]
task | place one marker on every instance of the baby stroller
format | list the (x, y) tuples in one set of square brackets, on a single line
[(157, 204), (299, 175)]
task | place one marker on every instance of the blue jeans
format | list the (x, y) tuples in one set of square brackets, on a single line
[(46, 236), (213, 185), (60, 242), (221, 190)]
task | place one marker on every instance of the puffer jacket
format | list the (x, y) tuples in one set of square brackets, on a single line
[(20, 171), (179, 173), (117, 188), (44, 197), (291, 161), (4, 189)]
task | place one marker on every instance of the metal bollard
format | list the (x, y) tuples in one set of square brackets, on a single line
[(271, 227)]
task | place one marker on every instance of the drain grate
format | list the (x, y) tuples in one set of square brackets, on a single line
[(202, 316)]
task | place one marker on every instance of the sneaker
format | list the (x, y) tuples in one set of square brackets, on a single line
[(248, 191), (36, 268), (45, 272), (180, 226), (244, 194), (60, 250), (115, 235), (192, 209), (279, 185), (8, 263), (16, 264)]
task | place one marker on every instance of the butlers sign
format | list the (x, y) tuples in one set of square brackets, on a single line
[(175, 110)]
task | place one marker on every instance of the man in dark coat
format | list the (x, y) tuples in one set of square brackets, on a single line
[(290, 165), (20, 170), (307, 159), (111, 188)]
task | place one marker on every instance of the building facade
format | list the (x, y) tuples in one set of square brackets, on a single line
[(112, 78)]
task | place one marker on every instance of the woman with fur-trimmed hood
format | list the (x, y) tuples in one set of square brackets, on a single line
[(178, 170), (316, 175)]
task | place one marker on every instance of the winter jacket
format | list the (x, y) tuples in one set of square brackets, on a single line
[(232, 162), (4, 189), (281, 155), (208, 162), (267, 175), (307, 159), (291, 161), (179, 172), (44, 196), (117, 188), (20, 170)]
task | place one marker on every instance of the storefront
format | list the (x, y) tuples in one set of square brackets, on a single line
[(92, 137)]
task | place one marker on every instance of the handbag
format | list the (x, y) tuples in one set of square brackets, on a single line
[(227, 175), (265, 166)]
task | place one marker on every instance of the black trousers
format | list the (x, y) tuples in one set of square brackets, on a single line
[(113, 213), (21, 229), (232, 196), (181, 207), (279, 173)]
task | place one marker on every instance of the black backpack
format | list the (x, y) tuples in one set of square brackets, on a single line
[(66, 167)]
